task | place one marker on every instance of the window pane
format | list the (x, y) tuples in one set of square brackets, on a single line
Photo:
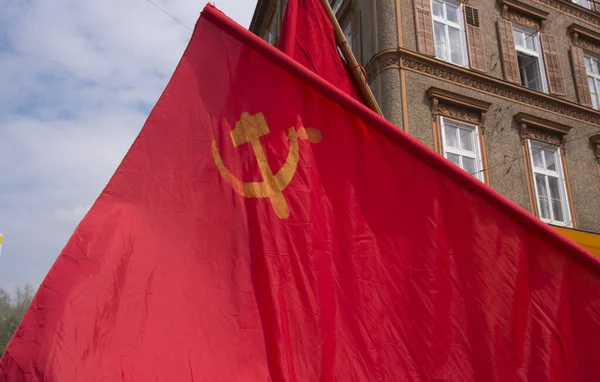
[(530, 40), (557, 208), (536, 154), (466, 139), (455, 46), (440, 40), (549, 156), (336, 5), (530, 71), (453, 158), (595, 66), (543, 199), (469, 165), (348, 34), (554, 191), (588, 64), (558, 211), (452, 13), (518, 36), (593, 85), (533, 74), (437, 9), (541, 185), (450, 135)]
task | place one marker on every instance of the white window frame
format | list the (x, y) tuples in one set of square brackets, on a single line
[(584, 3), (444, 121), (559, 173), (537, 53), (450, 24), (593, 79)]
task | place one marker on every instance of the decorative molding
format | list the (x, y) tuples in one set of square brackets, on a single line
[(585, 38), (542, 123), (381, 62), (525, 21), (572, 9), (416, 62), (540, 129), (456, 112), (589, 46), (595, 141), (464, 101), (458, 106), (540, 135), (524, 14)]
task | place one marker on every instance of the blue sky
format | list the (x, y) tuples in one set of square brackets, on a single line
[(65, 128)]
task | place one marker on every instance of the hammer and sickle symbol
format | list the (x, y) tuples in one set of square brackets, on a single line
[(249, 129)]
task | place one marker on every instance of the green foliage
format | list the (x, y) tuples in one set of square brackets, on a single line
[(12, 311)]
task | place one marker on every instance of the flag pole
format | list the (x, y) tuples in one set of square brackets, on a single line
[(356, 69)]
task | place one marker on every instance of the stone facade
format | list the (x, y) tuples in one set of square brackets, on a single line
[(397, 63)]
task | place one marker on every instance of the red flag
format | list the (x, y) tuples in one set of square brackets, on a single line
[(307, 35), (266, 227)]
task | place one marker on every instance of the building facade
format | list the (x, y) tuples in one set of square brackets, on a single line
[(509, 90)]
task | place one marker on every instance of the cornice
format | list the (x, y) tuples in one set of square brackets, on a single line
[(389, 59), (577, 31), (543, 130), (570, 8), (458, 106), (584, 37), (416, 62), (519, 12), (461, 100), (542, 123)]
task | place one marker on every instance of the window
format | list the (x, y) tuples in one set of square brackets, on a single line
[(460, 143), (348, 33), (529, 57), (448, 31), (336, 4), (549, 183), (272, 31), (584, 3), (592, 68), (349, 17), (347, 29)]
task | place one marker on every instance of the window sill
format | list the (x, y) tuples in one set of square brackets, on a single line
[(451, 63), (557, 224)]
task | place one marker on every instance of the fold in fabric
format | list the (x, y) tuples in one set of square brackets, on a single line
[(265, 226)]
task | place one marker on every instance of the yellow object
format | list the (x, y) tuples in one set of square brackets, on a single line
[(588, 240), (250, 129)]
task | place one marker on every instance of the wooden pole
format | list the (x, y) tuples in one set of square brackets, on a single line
[(356, 70)]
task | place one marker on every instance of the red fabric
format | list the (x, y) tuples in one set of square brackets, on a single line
[(307, 35), (392, 265)]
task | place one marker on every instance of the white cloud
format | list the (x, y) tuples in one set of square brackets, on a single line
[(74, 214), (63, 131)]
